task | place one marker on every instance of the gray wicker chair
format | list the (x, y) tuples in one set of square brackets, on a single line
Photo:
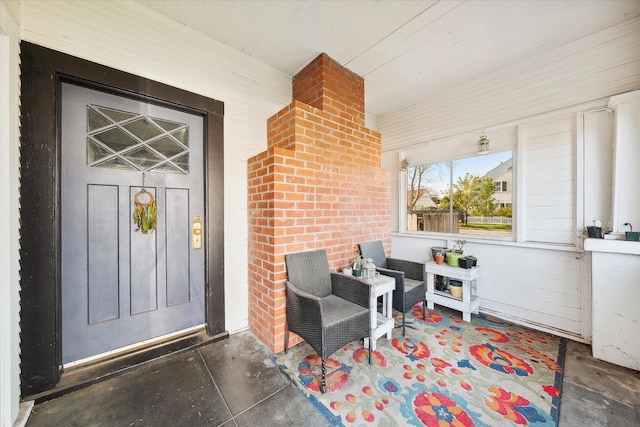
[(328, 310), (409, 276)]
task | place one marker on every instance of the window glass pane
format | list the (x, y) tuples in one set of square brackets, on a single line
[(124, 140), (426, 187), (166, 124), (182, 135), (142, 157), (95, 152), (116, 163), (183, 162), (115, 115), (478, 202), (115, 139), (95, 120), (167, 147), (143, 129), (166, 167)]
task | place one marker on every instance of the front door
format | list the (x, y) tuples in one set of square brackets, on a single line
[(131, 197)]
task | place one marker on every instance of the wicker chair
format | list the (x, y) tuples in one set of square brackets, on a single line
[(409, 277), (328, 310)]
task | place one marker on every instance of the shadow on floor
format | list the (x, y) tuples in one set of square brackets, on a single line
[(234, 382)]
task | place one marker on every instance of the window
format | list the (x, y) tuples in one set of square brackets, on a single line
[(500, 186), (125, 140), (466, 196)]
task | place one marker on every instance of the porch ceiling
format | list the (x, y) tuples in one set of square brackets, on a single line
[(407, 51)]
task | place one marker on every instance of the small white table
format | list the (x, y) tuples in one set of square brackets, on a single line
[(380, 323), (470, 277)]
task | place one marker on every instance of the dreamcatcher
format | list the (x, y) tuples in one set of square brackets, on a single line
[(144, 211)]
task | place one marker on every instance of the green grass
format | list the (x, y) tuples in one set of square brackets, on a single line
[(487, 226)]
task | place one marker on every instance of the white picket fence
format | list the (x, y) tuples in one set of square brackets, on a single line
[(488, 220)]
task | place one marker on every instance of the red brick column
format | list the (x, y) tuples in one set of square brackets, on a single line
[(318, 185)]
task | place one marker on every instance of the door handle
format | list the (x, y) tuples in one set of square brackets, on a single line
[(196, 232)]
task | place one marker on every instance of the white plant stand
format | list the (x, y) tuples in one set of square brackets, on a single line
[(381, 323), (470, 277)]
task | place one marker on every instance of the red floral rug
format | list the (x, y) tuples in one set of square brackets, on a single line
[(445, 372)]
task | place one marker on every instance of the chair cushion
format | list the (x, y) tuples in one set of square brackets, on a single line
[(410, 284), (336, 309), (414, 292), (344, 322)]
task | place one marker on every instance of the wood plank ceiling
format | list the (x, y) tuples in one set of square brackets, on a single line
[(407, 51)]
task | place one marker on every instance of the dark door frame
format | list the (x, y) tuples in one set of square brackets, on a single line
[(42, 72)]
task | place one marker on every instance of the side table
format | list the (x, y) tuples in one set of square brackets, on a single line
[(381, 323), (470, 277)]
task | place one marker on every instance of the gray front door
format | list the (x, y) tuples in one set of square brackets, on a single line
[(120, 284)]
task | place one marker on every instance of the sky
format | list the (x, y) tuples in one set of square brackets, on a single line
[(477, 165)]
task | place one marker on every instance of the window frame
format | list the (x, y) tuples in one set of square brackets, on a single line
[(457, 148)]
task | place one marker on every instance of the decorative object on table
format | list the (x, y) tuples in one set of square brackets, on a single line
[(144, 211), (327, 309), (465, 262), (410, 287), (455, 288), (439, 258), (439, 249), (347, 269), (459, 246), (441, 283), (368, 269), (631, 236), (595, 230), (453, 258), (473, 259), (357, 266), (486, 373)]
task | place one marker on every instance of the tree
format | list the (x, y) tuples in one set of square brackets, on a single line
[(418, 180), (472, 195)]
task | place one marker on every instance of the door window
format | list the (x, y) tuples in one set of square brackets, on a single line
[(125, 140)]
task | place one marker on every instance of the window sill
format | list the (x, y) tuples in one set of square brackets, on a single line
[(496, 241)]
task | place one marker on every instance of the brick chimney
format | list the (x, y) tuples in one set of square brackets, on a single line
[(319, 185)]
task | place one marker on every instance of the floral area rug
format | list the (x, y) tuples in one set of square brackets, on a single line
[(445, 372)]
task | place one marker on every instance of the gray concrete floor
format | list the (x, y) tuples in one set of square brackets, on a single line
[(234, 383), (597, 393), (231, 382)]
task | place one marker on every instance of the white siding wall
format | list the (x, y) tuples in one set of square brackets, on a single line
[(9, 213), (598, 66), (127, 36), (598, 128), (549, 182), (542, 277), (528, 284)]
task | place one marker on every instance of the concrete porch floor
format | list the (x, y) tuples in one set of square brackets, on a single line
[(233, 382)]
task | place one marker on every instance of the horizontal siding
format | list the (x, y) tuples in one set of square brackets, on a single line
[(598, 66), (536, 286), (555, 182), (549, 163)]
